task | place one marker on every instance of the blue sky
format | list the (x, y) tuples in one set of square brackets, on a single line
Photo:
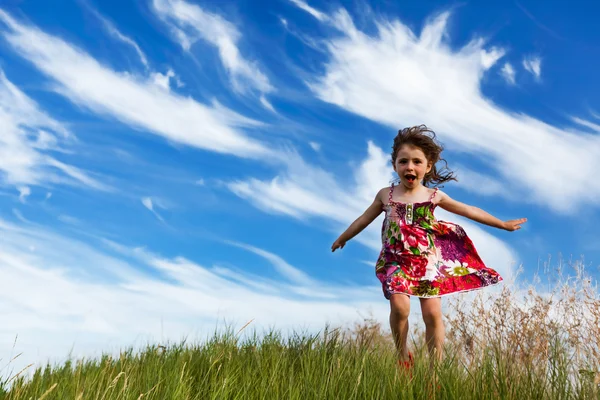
[(167, 164)]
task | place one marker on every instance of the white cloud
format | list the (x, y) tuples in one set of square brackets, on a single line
[(164, 80), (67, 219), (46, 141), (533, 64), (298, 192), (138, 102), (124, 297), (77, 174), (24, 192), (114, 32), (315, 146), (286, 270), (481, 184), (266, 104), (508, 72), (489, 58), (189, 23), (591, 125), (149, 204), (311, 10), (424, 77), (27, 138), (20, 216)]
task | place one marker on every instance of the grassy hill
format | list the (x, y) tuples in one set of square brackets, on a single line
[(517, 344)]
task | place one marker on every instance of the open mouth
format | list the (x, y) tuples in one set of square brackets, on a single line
[(410, 178)]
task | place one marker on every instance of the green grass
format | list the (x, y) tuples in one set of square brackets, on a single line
[(331, 365), (513, 344)]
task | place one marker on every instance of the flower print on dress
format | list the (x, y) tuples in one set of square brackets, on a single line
[(399, 284), (425, 289), (414, 267), (424, 216), (441, 228), (416, 239), (451, 245), (454, 268), (487, 277)]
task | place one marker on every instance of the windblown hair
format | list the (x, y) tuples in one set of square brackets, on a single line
[(425, 139)]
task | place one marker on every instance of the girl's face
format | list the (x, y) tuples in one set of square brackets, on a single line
[(411, 165)]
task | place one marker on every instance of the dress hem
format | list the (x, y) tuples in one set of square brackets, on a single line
[(446, 294)]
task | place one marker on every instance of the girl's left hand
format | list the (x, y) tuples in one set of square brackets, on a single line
[(338, 244), (514, 224)]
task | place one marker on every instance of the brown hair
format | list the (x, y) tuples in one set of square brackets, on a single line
[(425, 139)]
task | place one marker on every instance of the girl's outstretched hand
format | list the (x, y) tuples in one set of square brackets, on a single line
[(338, 244), (514, 224)]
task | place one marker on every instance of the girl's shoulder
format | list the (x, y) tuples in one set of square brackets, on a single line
[(436, 195), (384, 193)]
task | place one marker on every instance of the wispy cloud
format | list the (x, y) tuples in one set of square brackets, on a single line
[(537, 22), (508, 72), (266, 104), (55, 304), (138, 102), (20, 216), (454, 105), (164, 80), (190, 23), (593, 126), (311, 10), (28, 139), (482, 184), (533, 64), (286, 270), (110, 27), (24, 192), (149, 204), (67, 219)]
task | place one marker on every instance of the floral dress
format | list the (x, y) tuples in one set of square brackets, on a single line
[(424, 257)]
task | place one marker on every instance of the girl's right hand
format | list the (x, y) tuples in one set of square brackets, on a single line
[(338, 244)]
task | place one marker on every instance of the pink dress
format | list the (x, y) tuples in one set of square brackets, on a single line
[(424, 257)]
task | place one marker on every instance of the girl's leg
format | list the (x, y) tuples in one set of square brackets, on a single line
[(434, 326), (399, 311)]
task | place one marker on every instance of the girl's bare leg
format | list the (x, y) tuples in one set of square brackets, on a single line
[(434, 326), (399, 311)]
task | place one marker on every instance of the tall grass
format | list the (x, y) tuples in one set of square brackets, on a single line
[(517, 344)]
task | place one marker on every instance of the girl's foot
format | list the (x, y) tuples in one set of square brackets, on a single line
[(406, 365)]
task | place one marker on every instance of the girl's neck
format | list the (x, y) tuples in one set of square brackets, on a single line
[(411, 191)]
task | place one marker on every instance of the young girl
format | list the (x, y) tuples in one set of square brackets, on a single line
[(422, 256)]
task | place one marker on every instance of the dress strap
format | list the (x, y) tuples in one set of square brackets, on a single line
[(391, 191), (433, 194)]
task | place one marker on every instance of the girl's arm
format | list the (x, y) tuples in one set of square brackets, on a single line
[(361, 222), (477, 214)]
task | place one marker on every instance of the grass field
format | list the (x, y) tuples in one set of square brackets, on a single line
[(514, 345)]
